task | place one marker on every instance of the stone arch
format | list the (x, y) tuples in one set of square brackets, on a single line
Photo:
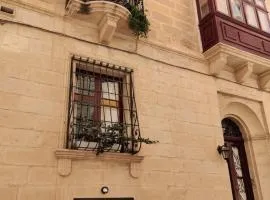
[(246, 118)]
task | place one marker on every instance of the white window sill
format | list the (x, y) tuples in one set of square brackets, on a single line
[(66, 157)]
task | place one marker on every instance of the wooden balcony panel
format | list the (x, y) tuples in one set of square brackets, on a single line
[(215, 29)]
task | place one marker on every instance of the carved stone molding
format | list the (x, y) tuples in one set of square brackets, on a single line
[(105, 14), (243, 64), (66, 157)]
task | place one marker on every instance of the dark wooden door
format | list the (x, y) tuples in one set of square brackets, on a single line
[(237, 161)]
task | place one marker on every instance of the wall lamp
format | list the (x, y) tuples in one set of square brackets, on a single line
[(224, 150)]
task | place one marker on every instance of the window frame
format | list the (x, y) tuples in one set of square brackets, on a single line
[(99, 100)]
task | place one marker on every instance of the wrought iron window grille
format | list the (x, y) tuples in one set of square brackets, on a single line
[(102, 113)]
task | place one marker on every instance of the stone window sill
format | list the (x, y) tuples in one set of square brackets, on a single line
[(65, 158)]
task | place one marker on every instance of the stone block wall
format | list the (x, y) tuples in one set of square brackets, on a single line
[(178, 104)]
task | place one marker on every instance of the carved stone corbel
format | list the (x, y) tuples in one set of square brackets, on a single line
[(244, 72), (134, 169), (264, 80), (64, 166), (107, 27), (217, 63)]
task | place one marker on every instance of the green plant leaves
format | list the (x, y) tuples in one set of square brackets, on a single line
[(138, 22)]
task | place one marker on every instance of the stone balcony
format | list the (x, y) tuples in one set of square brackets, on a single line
[(243, 64), (107, 15)]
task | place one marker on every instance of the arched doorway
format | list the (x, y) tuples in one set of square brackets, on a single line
[(237, 161)]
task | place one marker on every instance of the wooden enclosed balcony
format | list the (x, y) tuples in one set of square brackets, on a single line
[(236, 34), (108, 15)]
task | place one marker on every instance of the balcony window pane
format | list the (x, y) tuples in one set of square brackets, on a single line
[(251, 16), (260, 3), (237, 11), (263, 17), (204, 7), (222, 6)]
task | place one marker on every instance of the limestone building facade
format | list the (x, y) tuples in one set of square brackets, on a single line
[(204, 62)]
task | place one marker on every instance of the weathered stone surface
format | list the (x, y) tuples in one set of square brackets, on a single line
[(179, 103)]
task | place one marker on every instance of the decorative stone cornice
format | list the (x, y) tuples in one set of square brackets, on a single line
[(232, 51), (66, 157)]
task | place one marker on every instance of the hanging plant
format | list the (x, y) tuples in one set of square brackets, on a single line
[(138, 22), (84, 8)]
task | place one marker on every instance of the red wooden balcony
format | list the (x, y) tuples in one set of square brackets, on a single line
[(236, 34)]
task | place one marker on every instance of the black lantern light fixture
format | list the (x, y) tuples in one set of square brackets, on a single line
[(224, 151)]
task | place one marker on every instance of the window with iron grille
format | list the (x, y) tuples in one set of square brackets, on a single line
[(102, 109)]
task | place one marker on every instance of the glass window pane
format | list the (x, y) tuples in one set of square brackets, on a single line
[(260, 3), (251, 15), (85, 111), (110, 90), (263, 17), (237, 11), (109, 115), (85, 84), (222, 6), (204, 8)]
